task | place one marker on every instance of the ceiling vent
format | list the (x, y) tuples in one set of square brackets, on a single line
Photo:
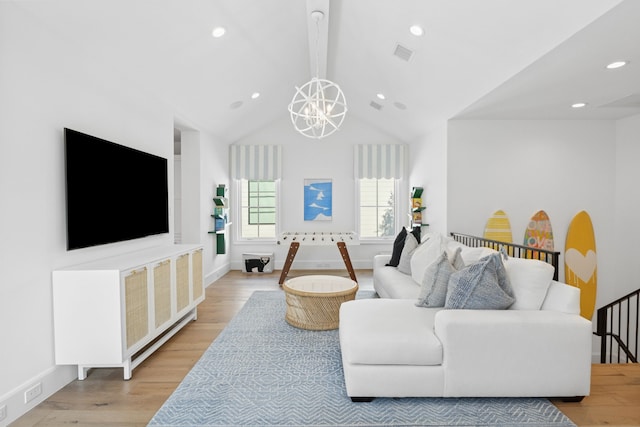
[(375, 105), (629, 101), (403, 53)]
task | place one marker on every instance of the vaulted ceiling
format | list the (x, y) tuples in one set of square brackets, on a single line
[(477, 58)]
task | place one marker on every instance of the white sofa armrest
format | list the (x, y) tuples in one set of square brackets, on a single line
[(380, 260), (515, 352)]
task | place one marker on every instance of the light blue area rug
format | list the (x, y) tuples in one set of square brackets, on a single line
[(262, 371)]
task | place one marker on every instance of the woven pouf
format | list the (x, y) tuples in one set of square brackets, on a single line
[(313, 302)]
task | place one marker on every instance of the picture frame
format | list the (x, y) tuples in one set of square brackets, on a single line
[(318, 199)]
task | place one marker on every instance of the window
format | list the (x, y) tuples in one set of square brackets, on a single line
[(258, 209), (377, 208)]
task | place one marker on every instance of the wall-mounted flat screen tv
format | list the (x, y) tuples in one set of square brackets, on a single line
[(113, 193)]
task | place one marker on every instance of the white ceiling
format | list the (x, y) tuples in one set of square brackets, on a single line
[(478, 58)]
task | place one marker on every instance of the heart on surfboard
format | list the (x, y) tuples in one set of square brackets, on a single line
[(582, 265)]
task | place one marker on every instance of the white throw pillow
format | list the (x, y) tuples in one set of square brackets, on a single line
[(530, 280), (424, 255), (452, 245), (426, 236), (472, 255), (410, 246)]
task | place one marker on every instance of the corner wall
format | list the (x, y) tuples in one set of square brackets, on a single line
[(627, 205), (562, 167)]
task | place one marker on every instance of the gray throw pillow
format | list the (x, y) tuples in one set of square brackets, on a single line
[(482, 286), (433, 291), (456, 259), (410, 245)]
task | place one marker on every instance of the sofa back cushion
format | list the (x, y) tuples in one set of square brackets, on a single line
[(424, 255), (563, 298), (472, 255), (530, 279), (410, 246)]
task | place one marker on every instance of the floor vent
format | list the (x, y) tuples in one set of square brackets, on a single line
[(403, 53)]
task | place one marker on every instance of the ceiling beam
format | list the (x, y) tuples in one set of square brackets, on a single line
[(318, 33)]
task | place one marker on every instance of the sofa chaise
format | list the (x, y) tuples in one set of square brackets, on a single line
[(405, 344)]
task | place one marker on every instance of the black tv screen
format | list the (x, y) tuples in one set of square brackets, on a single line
[(114, 193)]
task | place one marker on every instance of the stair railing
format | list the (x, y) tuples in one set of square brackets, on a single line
[(618, 323)]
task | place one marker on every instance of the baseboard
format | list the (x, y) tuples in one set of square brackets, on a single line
[(51, 380), (216, 274)]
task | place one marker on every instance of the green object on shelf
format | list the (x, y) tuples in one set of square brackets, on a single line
[(220, 217), (220, 201), (220, 244)]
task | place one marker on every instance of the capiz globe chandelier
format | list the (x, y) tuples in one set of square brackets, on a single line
[(318, 107)]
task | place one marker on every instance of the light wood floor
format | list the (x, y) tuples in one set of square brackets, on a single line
[(105, 399)]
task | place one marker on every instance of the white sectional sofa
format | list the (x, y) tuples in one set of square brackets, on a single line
[(537, 346)]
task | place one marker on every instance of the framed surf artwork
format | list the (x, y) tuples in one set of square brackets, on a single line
[(318, 199)]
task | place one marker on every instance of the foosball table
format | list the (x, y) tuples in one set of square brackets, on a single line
[(309, 238)]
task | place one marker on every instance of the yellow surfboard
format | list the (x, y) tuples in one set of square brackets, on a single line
[(498, 228), (580, 262)]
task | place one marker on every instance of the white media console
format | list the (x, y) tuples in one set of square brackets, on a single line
[(115, 312)]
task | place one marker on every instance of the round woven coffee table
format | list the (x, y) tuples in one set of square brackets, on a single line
[(313, 302)]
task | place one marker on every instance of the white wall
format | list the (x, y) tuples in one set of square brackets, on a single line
[(214, 170), (627, 206), (46, 87), (428, 169), (190, 181), (331, 157), (562, 167)]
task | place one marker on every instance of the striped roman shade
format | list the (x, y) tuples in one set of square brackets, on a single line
[(381, 161), (256, 162)]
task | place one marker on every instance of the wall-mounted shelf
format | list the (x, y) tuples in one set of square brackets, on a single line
[(417, 208), (220, 217)]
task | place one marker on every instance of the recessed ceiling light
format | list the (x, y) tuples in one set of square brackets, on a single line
[(416, 30), (579, 105), (617, 64), (218, 32), (400, 105), (381, 96), (235, 105), (255, 95)]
